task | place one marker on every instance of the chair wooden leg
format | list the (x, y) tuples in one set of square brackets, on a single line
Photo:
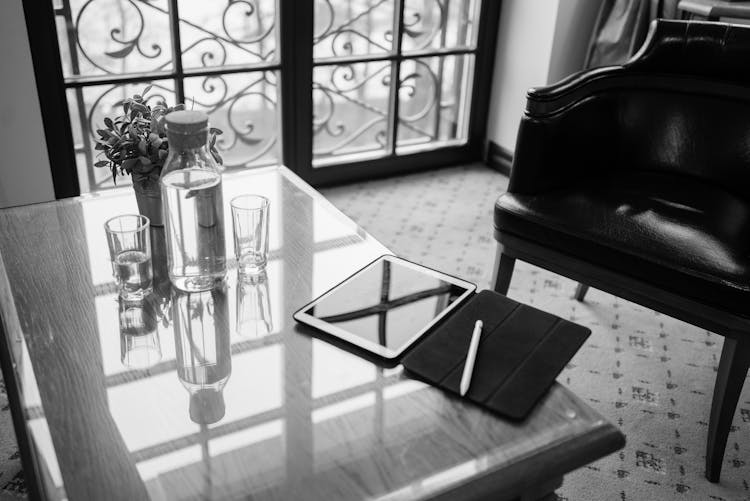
[(503, 270), (581, 291), (735, 360)]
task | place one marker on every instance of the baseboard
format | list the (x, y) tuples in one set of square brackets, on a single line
[(499, 158)]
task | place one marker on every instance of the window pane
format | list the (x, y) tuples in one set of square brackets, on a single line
[(87, 108), (350, 111), (352, 27), (114, 37), (436, 24), (434, 99), (227, 33), (244, 107)]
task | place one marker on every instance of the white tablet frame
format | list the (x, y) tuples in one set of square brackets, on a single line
[(382, 351)]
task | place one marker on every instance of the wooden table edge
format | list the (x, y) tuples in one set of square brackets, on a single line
[(511, 481)]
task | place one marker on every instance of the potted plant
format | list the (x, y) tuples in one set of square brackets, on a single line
[(135, 143)]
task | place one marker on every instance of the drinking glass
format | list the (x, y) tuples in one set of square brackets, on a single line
[(130, 252), (250, 221)]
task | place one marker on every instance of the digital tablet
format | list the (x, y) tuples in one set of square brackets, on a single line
[(386, 306)]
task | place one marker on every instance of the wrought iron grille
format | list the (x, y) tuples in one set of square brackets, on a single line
[(220, 58), (389, 77)]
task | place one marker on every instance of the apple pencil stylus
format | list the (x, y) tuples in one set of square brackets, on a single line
[(471, 358)]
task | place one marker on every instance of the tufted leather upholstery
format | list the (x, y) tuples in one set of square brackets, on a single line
[(645, 168)]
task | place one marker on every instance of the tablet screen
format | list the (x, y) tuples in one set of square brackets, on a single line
[(387, 304)]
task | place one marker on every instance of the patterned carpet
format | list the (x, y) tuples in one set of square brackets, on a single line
[(646, 372), (12, 486), (650, 374)]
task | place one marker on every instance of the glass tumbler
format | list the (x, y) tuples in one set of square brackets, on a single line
[(250, 222), (130, 252)]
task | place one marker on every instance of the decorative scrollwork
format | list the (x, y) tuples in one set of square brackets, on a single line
[(358, 32), (351, 106), (128, 36), (135, 29), (334, 39), (242, 105), (421, 26), (239, 105)]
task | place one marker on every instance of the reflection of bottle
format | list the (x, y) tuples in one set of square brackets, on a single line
[(204, 363), (253, 305), (139, 336), (192, 204)]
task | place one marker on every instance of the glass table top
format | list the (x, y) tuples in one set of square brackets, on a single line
[(219, 395)]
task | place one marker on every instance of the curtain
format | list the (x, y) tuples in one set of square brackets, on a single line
[(621, 28)]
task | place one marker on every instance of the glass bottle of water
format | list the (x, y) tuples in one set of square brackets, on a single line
[(192, 204)]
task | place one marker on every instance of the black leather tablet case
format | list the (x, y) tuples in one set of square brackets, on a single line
[(521, 352)]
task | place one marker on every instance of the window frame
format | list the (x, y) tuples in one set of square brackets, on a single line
[(295, 65)]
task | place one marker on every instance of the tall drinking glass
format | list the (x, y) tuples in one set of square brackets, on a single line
[(250, 221), (130, 252)]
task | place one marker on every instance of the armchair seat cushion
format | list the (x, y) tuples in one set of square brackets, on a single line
[(683, 234)]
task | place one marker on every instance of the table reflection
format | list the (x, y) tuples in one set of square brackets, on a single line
[(253, 305), (139, 336), (162, 286), (204, 361)]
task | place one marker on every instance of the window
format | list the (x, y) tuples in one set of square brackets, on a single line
[(217, 57), (358, 61), (335, 89)]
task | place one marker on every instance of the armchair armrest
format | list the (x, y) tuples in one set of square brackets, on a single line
[(575, 128)]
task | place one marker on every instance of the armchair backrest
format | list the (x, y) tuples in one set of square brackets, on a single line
[(681, 104)]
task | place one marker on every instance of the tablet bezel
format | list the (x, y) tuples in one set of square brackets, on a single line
[(390, 354)]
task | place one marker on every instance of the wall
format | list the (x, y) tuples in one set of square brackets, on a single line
[(539, 42), (573, 27), (25, 175), (524, 46)]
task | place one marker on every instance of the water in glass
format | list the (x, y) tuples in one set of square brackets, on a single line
[(133, 271)]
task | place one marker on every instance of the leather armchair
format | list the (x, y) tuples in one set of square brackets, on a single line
[(635, 179)]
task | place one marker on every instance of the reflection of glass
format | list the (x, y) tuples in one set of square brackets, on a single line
[(139, 336), (253, 305), (204, 363)]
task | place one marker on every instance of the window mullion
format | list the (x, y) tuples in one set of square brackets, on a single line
[(398, 30), (296, 59), (174, 24)]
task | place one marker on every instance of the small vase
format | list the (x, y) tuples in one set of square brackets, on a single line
[(149, 202)]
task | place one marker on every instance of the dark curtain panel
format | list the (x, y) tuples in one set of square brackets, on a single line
[(621, 27)]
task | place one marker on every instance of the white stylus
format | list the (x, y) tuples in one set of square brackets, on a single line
[(471, 358)]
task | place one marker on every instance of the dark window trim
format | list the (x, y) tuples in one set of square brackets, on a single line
[(45, 54), (296, 32)]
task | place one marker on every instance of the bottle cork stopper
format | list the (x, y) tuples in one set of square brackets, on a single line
[(187, 129), (186, 122)]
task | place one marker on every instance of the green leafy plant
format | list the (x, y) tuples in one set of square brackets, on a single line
[(135, 142)]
